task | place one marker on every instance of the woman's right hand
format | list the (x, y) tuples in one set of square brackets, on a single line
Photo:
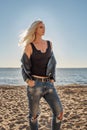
[(31, 83)]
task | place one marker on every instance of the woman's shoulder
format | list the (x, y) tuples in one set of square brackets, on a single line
[(28, 49), (49, 42)]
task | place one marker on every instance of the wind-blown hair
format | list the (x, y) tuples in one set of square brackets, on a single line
[(28, 35)]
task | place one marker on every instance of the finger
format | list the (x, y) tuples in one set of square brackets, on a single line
[(33, 84)]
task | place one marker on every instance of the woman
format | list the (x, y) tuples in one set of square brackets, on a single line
[(38, 71)]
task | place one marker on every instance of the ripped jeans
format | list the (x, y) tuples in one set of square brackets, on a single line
[(48, 92)]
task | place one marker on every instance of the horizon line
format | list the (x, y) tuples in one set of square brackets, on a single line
[(56, 67)]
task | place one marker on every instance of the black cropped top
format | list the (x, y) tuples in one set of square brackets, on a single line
[(39, 60)]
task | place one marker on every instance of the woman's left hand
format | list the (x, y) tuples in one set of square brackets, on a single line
[(51, 80)]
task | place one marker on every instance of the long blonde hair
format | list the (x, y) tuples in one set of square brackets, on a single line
[(28, 35)]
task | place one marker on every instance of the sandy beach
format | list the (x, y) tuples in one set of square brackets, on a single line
[(14, 108)]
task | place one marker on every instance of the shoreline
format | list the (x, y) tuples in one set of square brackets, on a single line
[(14, 108), (63, 85)]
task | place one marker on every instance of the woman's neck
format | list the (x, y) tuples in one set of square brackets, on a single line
[(38, 39)]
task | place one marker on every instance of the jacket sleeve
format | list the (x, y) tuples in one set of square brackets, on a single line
[(51, 67), (25, 67)]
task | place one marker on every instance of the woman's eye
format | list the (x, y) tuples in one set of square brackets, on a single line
[(41, 27)]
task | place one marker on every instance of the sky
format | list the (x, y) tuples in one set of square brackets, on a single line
[(66, 28)]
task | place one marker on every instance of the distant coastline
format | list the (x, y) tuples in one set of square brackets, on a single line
[(56, 67)]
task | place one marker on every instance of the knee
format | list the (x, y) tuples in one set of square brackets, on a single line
[(60, 116), (33, 119)]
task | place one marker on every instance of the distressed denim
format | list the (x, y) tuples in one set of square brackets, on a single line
[(49, 93)]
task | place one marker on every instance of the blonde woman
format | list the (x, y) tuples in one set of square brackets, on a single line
[(38, 71)]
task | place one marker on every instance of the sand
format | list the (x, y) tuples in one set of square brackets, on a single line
[(14, 108)]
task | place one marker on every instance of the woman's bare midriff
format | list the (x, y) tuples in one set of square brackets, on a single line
[(39, 76)]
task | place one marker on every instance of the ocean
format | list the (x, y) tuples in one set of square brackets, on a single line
[(64, 76)]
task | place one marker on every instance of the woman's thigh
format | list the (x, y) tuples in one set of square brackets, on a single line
[(53, 99), (34, 95)]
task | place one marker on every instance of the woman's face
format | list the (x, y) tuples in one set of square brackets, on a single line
[(40, 29)]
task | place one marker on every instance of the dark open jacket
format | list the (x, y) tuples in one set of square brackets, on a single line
[(26, 67)]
